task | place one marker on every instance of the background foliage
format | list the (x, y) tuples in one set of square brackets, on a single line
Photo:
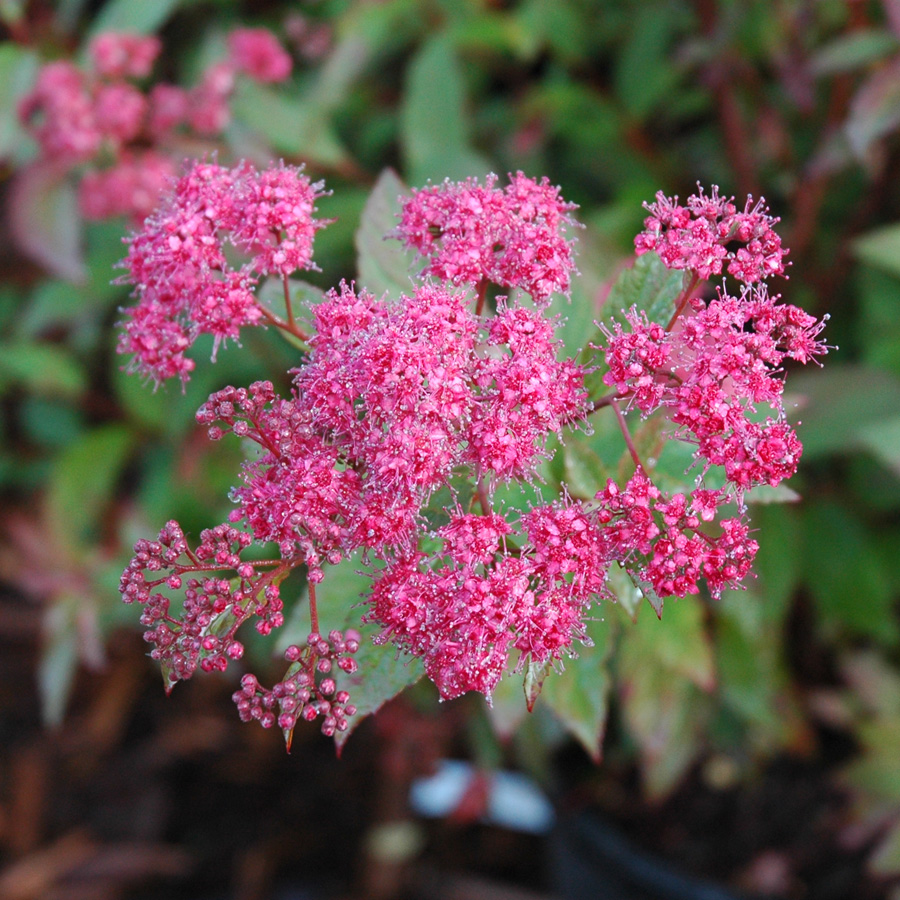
[(793, 99)]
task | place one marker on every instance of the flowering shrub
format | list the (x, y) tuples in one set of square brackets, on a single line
[(411, 417)]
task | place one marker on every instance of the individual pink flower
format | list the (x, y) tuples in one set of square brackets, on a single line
[(473, 234), (257, 53), (119, 55)]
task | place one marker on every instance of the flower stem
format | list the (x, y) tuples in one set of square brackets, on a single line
[(682, 300), (626, 434), (313, 610)]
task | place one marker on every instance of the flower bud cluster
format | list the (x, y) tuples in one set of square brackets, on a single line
[(213, 605), (105, 121), (309, 689)]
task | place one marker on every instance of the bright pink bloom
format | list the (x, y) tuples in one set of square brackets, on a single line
[(715, 373), (120, 110), (276, 223), (180, 269), (513, 238), (59, 112), (697, 237), (660, 541), (257, 53)]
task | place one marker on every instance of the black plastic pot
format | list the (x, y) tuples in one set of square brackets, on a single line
[(593, 861)]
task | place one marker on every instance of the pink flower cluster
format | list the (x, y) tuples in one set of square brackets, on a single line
[(476, 234), (213, 608), (699, 237), (394, 399), (712, 374), (399, 399), (180, 262), (98, 120), (465, 609)]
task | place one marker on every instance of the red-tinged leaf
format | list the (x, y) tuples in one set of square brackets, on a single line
[(382, 674), (45, 222), (535, 674), (875, 110), (678, 642)]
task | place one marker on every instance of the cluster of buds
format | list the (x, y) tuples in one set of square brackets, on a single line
[(400, 398), (118, 131), (308, 690)]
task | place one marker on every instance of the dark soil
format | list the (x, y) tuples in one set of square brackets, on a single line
[(144, 797)]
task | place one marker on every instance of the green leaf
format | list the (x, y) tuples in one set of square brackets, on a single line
[(293, 125), (644, 76), (664, 715), (839, 404), (134, 15), (82, 483), (383, 265), (18, 68), (42, 369), (678, 642), (883, 440), (382, 672), (880, 248), (648, 286), (627, 594), (579, 696), (853, 50), (432, 125), (845, 573)]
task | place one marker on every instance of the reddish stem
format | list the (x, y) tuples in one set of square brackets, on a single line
[(313, 610), (480, 294), (626, 434), (289, 327), (682, 300), (287, 301)]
